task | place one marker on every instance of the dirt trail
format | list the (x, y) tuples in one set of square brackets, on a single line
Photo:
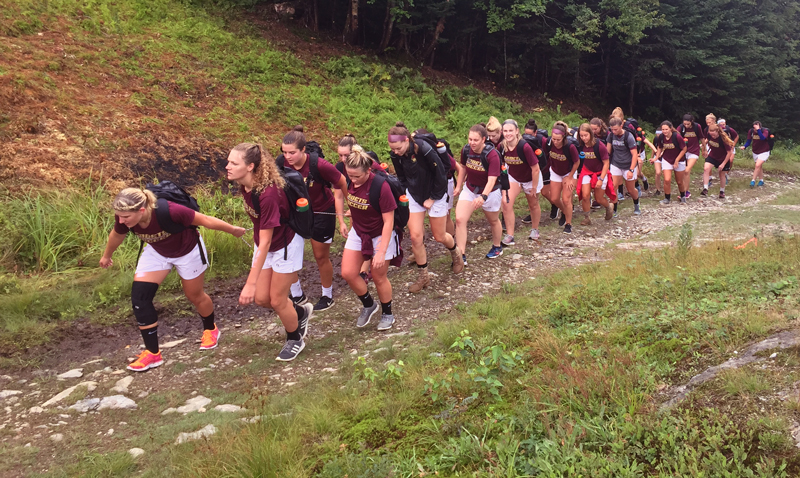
[(243, 369)]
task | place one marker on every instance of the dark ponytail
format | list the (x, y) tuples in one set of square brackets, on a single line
[(296, 138)]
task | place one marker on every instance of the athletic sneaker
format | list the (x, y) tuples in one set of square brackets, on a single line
[(299, 300), (367, 276), (324, 303), (683, 200), (665, 201), (688, 194), (302, 323), (704, 192), (146, 361), (210, 339), (722, 194), (534, 235), (562, 220), (291, 349), (637, 210), (596, 205), (761, 182), (645, 183), (386, 322), (567, 228), (495, 252), (526, 219), (508, 240), (657, 193), (553, 212), (752, 184), (366, 315), (710, 181), (464, 258)]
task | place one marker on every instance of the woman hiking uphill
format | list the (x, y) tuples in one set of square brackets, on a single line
[(624, 160), (372, 238), (564, 161), (495, 131), (693, 135), (479, 187), (319, 175), (523, 175), (719, 156), (278, 252), (594, 175), (422, 172), (135, 210), (540, 138), (758, 136), (671, 154)]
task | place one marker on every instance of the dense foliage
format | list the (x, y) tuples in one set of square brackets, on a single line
[(658, 59)]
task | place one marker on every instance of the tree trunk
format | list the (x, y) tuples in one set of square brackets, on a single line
[(505, 60), (315, 15), (432, 47), (607, 58), (630, 94), (388, 26), (351, 28)]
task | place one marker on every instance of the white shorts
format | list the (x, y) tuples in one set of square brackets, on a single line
[(691, 156), (557, 178), (451, 186), (354, 244), (615, 171), (642, 156), (761, 157), (189, 266), (680, 166), (438, 209), (588, 180), (528, 186), (293, 254), (492, 204)]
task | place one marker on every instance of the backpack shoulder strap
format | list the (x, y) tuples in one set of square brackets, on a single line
[(165, 220), (280, 161), (375, 192), (256, 199), (313, 169), (597, 149), (521, 150)]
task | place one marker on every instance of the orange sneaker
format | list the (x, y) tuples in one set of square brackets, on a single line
[(210, 339), (146, 361)]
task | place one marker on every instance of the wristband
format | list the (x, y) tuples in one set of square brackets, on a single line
[(485, 197)]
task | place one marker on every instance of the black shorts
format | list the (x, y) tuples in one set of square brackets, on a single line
[(716, 164), (324, 225)]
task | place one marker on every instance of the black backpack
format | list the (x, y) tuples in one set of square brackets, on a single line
[(340, 165), (770, 137), (502, 182), (537, 142), (401, 214), (632, 126), (301, 222), (168, 191), (313, 167), (695, 129), (436, 143)]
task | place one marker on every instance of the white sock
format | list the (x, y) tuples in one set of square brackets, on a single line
[(327, 292), (722, 190), (297, 289)]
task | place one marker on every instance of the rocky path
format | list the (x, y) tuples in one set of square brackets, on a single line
[(84, 398)]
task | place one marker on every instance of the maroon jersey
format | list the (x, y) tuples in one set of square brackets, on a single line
[(321, 196), (759, 145), (365, 218), (719, 149), (274, 206), (561, 161), (166, 244), (520, 168), (671, 147), (591, 161), (693, 135), (477, 176)]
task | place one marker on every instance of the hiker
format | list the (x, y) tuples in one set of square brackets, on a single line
[(564, 161), (671, 153), (524, 176), (762, 142), (136, 210), (278, 249), (594, 175), (719, 156), (624, 160), (693, 134)]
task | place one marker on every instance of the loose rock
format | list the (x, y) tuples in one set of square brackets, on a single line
[(122, 385), (9, 393), (193, 404), (74, 373), (204, 432), (57, 437), (228, 408), (136, 452)]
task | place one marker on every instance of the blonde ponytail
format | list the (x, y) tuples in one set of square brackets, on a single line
[(133, 199)]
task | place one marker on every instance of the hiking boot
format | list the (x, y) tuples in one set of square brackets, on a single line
[(722, 194), (302, 322), (665, 201), (324, 303), (609, 212), (553, 212), (458, 264), (423, 280), (210, 339), (495, 252), (534, 235), (291, 349), (146, 361), (586, 221), (386, 322), (507, 241), (567, 228), (299, 300), (366, 314), (704, 192), (526, 219)]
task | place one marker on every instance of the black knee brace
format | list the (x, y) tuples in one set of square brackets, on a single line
[(142, 294)]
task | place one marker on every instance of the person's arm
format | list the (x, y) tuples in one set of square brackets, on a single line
[(681, 154), (461, 170), (115, 239), (634, 164), (728, 156), (761, 133), (649, 145), (570, 178), (535, 172), (248, 293), (211, 222), (606, 161), (379, 256), (339, 193)]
